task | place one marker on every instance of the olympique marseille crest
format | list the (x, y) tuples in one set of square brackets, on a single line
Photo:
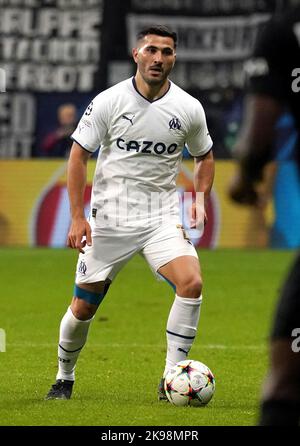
[(174, 123), (82, 268)]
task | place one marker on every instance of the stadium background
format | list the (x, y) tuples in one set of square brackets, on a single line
[(56, 52)]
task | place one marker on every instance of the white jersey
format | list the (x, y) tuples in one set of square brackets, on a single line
[(141, 144)]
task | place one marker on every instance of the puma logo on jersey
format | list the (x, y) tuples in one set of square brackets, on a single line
[(129, 117)]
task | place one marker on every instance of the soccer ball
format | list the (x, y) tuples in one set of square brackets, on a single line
[(189, 383)]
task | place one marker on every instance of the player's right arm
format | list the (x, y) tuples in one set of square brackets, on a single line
[(76, 183)]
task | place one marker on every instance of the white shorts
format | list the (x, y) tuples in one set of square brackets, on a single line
[(113, 247)]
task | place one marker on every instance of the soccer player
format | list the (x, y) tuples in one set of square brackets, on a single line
[(141, 126), (272, 87)]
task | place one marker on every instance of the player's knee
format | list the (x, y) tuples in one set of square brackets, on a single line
[(82, 310), (87, 298), (191, 287)]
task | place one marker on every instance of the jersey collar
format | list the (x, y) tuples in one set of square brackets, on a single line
[(148, 100)]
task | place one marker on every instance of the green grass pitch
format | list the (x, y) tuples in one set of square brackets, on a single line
[(120, 366)]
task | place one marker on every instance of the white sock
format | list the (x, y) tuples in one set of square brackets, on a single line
[(181, 329), (72, 337)]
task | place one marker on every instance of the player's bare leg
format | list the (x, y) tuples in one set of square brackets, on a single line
[(82, 309), (73, 334), (184, 273)]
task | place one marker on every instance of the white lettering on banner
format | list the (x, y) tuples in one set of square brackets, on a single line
[(256, 67), (51, 49), (59, 3), (206, 75), (17, 122), (45, 22), (54, 50), (2, 81), (50, 46), (205, 39), (198, 7), (49, 78)]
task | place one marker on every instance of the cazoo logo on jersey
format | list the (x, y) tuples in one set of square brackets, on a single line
[(149, 147)]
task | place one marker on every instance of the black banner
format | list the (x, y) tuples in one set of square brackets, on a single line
[(50, 47), (55, 55)]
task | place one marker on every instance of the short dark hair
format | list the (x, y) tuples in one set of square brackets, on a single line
[(158, 30)]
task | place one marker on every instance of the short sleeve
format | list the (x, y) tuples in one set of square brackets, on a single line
[(92, 128), (198, 139)]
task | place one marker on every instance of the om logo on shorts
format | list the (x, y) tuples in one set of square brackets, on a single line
[(82, 267)]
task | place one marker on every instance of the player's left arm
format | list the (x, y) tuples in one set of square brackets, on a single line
[(204, 171)]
